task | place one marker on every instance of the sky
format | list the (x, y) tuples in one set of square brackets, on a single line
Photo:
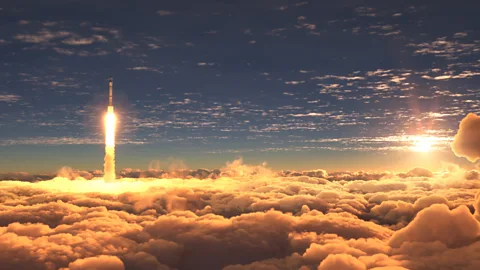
[(298, 84), (274, 135)]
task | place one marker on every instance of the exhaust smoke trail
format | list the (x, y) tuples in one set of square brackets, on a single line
[(110, 123)]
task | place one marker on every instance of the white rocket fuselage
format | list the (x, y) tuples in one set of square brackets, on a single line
[(110, 98)]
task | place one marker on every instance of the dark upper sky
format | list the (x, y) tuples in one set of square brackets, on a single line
[(300, 84)]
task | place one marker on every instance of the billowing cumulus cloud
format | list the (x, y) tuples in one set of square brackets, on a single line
[(341, 261), (467, 141), (98, 263), (455, 228), (241, 217)]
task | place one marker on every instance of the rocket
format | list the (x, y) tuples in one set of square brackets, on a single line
[(110, 123), (110, 95), (110, 86)]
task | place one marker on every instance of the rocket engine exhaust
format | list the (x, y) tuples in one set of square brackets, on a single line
[(110, 123)]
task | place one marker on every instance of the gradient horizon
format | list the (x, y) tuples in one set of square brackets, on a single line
[(335, 86)]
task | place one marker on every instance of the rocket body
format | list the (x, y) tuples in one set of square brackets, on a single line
[(110, 98)]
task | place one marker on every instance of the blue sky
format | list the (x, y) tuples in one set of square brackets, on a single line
[(299, 84)]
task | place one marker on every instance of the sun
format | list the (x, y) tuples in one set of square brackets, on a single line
[(422, 145)]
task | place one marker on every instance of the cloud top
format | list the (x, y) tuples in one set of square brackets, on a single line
[(466, 142), (246, 217)]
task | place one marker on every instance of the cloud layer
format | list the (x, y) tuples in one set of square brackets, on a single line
[(243, 217)]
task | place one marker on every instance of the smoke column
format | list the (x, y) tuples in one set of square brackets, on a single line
[(110, 123)]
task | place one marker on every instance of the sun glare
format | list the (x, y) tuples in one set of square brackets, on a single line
[(421, 144)]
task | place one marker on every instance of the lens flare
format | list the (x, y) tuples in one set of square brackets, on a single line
[(110, 124), (422, 144)]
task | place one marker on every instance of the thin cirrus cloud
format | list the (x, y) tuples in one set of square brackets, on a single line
[(75, 41), (9, 98), (165, 12), (60, 141), (445, 48), (312, 88), (53, 35)]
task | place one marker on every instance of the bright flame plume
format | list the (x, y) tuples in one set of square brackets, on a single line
[(109, 166)]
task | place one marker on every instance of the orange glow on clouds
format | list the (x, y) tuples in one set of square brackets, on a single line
[(315, 216)]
